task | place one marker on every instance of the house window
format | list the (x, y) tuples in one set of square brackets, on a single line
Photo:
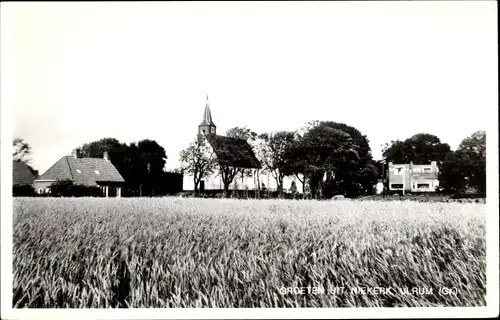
[(397, 186), (427, 170), (398, 171), (423, 186)]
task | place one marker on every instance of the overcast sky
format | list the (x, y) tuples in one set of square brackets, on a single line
[(84, 71)]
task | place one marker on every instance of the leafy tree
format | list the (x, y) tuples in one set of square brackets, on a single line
[(324, 148), (21, 150), (334, 158), (227, 173), (241, 133), (419, 149), (140, 164), (117, 153), (452, 175), (151, 162), (395, 152), (295, 159), (356, 177), (97, 148), (466, 167), (258, 146), (275, 155), (198, 160), (353, 173)]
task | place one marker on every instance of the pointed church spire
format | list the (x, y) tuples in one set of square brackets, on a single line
[(207, 125), (207, 115)]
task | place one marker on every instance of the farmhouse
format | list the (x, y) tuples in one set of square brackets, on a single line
[(413, 178), (83, 171), (22, 174)]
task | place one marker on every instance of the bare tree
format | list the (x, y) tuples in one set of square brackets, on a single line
[(198, 160), (275, 155), (21, 150), (227, 173), (258, 145)]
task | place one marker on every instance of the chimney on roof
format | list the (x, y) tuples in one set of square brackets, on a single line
[(105, 156), (76, 153)]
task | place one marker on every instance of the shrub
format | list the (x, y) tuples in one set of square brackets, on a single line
[(23, 191), (66, 188), (460, 195)]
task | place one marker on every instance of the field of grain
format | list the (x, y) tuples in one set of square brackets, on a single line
[(171, 252)]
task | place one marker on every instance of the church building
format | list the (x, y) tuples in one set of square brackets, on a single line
[(235, 153), (231, 152)]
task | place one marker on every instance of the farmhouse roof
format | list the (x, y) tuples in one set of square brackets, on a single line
[(233, 152), (22, 174), (84, 171), (207, 116)]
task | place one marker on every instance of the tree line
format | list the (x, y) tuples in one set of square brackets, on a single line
[(140, 164), (328, 158), (331, 158)]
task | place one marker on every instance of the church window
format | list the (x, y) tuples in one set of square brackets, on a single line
[(213, 130)]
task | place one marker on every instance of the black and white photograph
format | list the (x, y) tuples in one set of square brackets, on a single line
[(249, 159)]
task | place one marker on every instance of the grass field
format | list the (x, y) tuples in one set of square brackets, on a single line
[(170, 252)]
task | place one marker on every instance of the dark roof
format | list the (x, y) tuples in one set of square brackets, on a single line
[(207, 117), (85, 171), (233, 152), (22, 174)]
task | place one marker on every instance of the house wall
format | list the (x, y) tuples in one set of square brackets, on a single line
[(415, 178), (113, 189), (42, 186), (215, 183)]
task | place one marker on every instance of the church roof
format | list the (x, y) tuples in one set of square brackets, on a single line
[(233, 152), (207, 116)]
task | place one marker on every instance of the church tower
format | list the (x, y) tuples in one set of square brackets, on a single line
[(207, 126)]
